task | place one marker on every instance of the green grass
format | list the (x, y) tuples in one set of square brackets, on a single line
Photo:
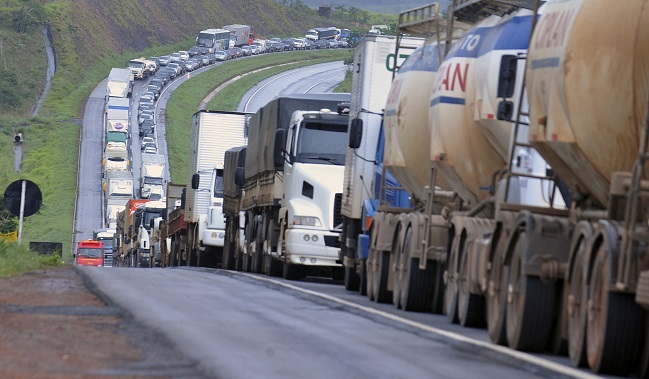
[(185, 100), (16, 259)]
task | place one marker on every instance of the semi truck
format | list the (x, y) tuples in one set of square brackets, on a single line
[(544, 239), (117, 115), (173, 231), (152, 176), (105, 236), (134, 225), (240, 35), (141, 67), (234, 162), (120, 83), (117, 190), (213, 133), (293, 185), (374, 62)]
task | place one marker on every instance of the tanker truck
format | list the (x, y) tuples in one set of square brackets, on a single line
[(548, 226), (464, 204)]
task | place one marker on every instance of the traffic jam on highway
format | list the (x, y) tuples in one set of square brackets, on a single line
[(526, 218)]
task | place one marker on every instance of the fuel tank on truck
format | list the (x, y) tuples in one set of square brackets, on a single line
[(407, 131), (588, 84), (468, 144)]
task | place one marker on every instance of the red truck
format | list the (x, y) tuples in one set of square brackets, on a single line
[(90, 253)]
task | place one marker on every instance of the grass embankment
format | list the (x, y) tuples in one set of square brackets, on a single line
[(185, 100)]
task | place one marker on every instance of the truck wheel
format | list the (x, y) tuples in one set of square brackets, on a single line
[(292, 271), (530, 305), (352, 281), (382, 294), (257, 248), (272, 267), (451, 294), (362, 277), (227, 262), (370, 269), (437, 303), (416, 285), (614, 322), (470, 306), (497, 299), (576, 308)]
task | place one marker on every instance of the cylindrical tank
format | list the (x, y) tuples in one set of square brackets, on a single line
[(407, 131), (469, 145), (588, 84)]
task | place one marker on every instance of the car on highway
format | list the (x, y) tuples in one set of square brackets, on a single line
[(180, 69), (191, 64), (255, 49), (145, 117), (194, 50), (235, 52), (163, 60), (175, 57), (184, 55), (299, 43), (150, 150), (147, 129), (246, 50), (221, 55), (147, 141)]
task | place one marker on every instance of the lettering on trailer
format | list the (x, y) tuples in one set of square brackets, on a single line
[(450, 85), (389, 61), (550, 35)]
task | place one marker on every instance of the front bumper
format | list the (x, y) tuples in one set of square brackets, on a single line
[(312, 247), (213, 237)]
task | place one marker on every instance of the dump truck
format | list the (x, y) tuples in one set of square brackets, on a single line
[(120, 83), (293, 185)]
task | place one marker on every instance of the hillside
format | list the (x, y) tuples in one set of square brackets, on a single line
[(377, 6), (90, 37)]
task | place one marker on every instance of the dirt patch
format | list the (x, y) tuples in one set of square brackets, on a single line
[(53, 326)]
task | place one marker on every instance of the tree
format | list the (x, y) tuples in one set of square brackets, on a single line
[(31, 13)]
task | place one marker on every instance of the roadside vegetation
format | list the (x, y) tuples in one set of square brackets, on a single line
[(89, 38)]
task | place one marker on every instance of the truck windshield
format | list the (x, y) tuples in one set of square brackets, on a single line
[(322, 143), (90, 252), (218, 184), (136, 64), (154, 181), (150, 214), (205, 39)]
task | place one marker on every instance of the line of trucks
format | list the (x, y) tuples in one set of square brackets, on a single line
[(492, 170), (119, 205)]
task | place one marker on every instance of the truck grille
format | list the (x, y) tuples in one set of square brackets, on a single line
[(337, 216), (332, 241)]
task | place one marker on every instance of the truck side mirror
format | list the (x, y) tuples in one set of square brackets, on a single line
[(279, 149), (196, 179), (239, 177), (355, 133), (507, 76)]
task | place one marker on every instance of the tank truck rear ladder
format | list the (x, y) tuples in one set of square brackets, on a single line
[(520, 114)]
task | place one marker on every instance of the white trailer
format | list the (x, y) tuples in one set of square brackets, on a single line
[(120, 83), (152, 176), (374, 60), (117, 115), (213, 133)]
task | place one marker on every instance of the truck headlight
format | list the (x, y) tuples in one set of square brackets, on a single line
[(306, 221)]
